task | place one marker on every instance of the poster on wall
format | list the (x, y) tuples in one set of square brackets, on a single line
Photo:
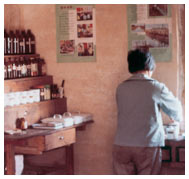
[(150, 28), (75, 33)]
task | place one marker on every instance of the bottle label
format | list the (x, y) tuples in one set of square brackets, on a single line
[(8, 45), (14, 67), (23, 69), (16, 46), (11, 46), (9, 69)]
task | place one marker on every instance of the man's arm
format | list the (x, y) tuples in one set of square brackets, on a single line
[(170, 104)]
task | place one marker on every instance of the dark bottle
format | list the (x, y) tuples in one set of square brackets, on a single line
[(17, 42), (30, 42), (18, 69), (27, 43), (28, 67), (39, 67), (44, 67), (23, 42), (10, 42), (14, 68), (10, 74), (5, 42), (5, 69), (34, 67)]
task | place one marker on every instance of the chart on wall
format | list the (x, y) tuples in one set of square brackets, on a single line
[(75, 33), (150, 28)]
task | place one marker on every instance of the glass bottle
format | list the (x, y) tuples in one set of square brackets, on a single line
[(14, 68), (17, 42), (10, 42), (18, 69), (28, 67), (5, 42), (23, 42), (44, 67), (23, 67), (5, 69), (39, 67), (27, 43), (10, 74), (34, 67), (31, 42)]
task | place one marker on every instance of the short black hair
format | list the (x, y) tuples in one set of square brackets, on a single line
[(140, 60)]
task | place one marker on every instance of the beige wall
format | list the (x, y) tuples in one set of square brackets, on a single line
[(90, 87)]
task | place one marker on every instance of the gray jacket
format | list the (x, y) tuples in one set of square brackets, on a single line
[(139, 100)]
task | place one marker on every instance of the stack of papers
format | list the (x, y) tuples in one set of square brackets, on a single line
[(49, 125)]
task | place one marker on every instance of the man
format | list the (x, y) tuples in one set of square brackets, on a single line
[(140, 134)]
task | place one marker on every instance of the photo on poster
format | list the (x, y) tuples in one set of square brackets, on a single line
[(138, 28), (85, 49), (84, 30), (84, 13), (67, 47), (157, 34), (158, 10)]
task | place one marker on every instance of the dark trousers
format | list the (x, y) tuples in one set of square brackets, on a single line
[(136, 160)]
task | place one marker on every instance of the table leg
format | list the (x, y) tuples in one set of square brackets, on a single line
[(10, 159), (70, 160)]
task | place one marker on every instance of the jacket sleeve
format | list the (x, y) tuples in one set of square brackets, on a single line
[(170, 104)]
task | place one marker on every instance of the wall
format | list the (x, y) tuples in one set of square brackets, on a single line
[(90, 87)]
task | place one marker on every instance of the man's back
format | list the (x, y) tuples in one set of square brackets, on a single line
[(139, 117)]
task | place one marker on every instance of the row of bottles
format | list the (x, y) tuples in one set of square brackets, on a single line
[(19, 42), (24, 67)]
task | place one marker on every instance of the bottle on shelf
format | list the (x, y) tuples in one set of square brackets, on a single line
[(23, 42), (10, 74), (14, 68), (10, 43), (18, 69), (5, 41), (44, 67), (23, 67), (28, 67), (34, 67), (17, 42), (39, 60), (30, 42), (5, 69)]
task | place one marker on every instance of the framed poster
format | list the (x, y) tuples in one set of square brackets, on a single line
[(75, 33), (150, 28)]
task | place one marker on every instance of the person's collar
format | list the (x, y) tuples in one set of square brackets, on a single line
[(140, 76)]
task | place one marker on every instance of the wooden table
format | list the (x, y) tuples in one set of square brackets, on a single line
[(36, 141)]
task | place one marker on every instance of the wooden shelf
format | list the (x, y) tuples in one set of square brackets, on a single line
[(21, 55), (23, 84), (7, 108), (36, 111)]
